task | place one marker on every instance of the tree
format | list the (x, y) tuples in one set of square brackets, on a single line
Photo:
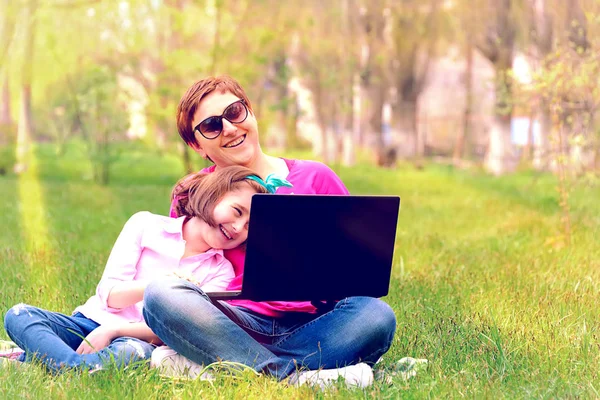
[(542, 29), (497, 44), (415, 27), (462, 32), (8, 10), (104, 119), (327, 69), (374, 74), (25, 128)]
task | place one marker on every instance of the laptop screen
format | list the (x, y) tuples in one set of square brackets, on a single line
[(319, 247)]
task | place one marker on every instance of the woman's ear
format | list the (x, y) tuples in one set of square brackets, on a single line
[(198, 149)]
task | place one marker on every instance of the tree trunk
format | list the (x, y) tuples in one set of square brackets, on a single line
[(528, 148), (464, 134), (499, 158), (351, 84), (280, 83), (291, 130), (404, 122), (5, 117), (324, 134), (324, 147), (25, 129), (105, 157), (352, 134), (374, 81), (498, 146), (541, 149), (498, 47), (8, 19), (376, 121)]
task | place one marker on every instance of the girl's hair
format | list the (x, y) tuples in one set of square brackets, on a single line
[(197, 194)]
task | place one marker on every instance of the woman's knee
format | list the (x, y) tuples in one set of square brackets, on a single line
[(380, 316), (160, 294), (173, 300)]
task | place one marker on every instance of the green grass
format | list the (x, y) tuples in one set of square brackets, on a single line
[(484, 285)]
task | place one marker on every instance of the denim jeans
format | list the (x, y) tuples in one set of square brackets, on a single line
[(53, 338), (356, 329)]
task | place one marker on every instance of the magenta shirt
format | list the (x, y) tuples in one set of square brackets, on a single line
[(151, 247), (307, 177)]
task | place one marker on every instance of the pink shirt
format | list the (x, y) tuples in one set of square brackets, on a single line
[(308, 177), (151, 247)]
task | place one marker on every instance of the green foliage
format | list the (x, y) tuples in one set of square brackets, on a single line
[(93, 107), (8, 158)]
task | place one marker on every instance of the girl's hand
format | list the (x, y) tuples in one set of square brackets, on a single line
[(98, 339)]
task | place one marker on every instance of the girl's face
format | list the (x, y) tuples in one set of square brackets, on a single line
[(231, 214)]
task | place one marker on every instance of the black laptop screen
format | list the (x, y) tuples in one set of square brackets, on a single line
[(307, 247)]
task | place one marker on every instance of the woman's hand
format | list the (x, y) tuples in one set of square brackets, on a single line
[(98, 339)]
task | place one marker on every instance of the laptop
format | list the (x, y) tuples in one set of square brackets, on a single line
[(317, 248)]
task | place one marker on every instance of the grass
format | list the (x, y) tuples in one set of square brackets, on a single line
[(484, 285)]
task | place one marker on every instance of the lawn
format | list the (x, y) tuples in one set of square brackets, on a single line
[(485, 284)]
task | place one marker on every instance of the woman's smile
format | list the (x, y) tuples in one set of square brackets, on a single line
[(235, 142)]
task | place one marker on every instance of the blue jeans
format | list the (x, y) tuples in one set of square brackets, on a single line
[(356, 329), (52, 338)]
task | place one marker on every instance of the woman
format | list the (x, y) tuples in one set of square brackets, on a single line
[(215, 118)]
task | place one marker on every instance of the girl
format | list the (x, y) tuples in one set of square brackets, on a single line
[(212, 215)]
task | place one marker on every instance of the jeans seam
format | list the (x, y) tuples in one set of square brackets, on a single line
[(289, 335), (242, 324), (262, 333)]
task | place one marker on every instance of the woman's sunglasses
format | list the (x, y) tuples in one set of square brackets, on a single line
[(211, 127)]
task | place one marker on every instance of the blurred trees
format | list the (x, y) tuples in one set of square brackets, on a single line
[(93, 108), (365, 64)]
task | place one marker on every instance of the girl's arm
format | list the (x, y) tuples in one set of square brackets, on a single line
[(117, 288), (125, 294), (102, 336)]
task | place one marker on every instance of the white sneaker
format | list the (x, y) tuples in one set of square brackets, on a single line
[(354, 376), (174, 365)]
